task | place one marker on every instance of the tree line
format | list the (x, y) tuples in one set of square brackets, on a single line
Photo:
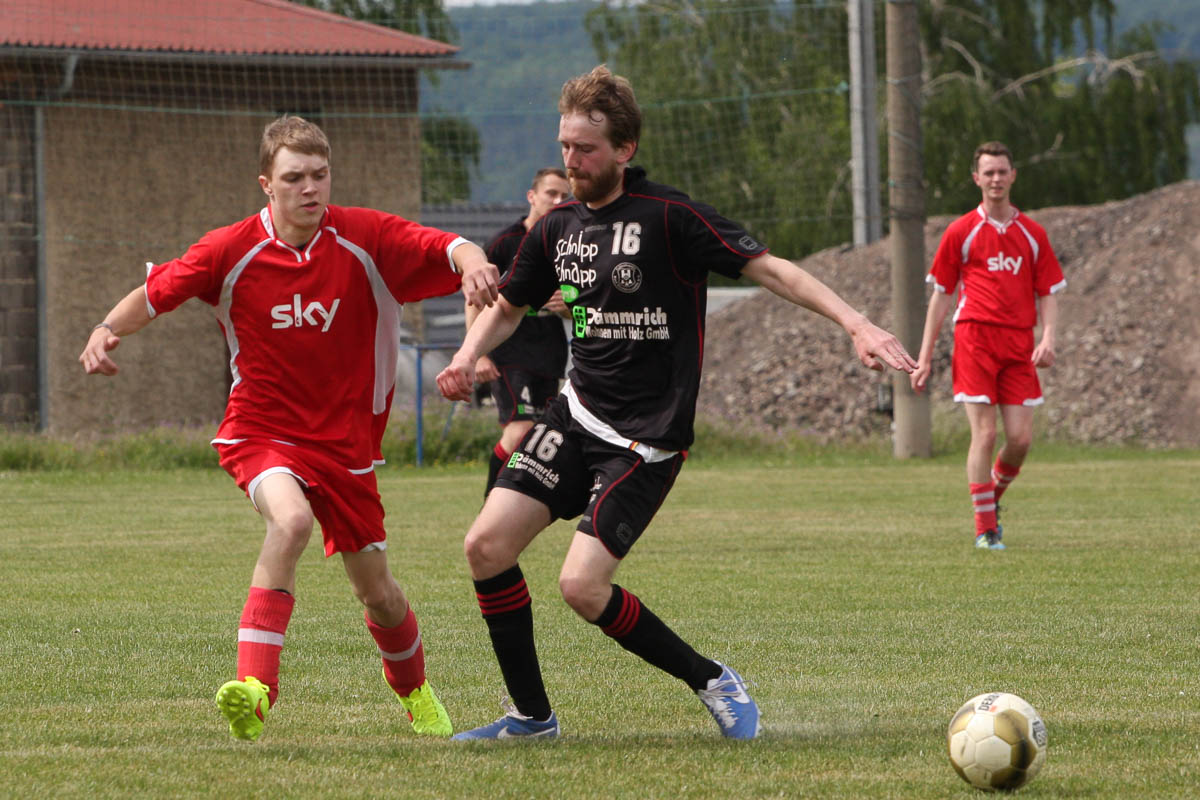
[(746, 102)]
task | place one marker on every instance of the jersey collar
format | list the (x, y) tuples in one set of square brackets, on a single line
[(302, 253), (998, 225)]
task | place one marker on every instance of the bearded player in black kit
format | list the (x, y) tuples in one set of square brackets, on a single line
[(631, 259)]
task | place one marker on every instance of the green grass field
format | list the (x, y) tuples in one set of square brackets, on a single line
[(849, 594)]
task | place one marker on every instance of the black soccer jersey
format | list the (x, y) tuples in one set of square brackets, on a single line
[(635, 275), (538, 345)]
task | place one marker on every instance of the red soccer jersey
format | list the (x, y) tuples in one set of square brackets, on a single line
[(314, 332), (1002, 267)]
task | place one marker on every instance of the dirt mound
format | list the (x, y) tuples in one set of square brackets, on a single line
[(1128, 365)]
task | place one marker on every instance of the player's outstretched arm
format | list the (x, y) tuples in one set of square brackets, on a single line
[(872, 343), (1043, 354), (480, 278), (490, 328), (130, 315), (940, 304)]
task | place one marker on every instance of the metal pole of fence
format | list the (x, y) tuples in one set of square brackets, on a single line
[(864, 127), (420, 413)]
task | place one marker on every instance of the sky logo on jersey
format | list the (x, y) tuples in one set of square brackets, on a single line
[(1001, 264), (295, 313)]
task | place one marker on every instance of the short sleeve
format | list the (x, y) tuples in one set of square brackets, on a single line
[(1047, 273), (414, 259), (704, 241), (530, 279), (196, 273), (946, 270)]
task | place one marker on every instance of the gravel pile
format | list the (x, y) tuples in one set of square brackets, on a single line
[(1128, 347)]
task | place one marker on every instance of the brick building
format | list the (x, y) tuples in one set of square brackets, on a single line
[(128, 129)]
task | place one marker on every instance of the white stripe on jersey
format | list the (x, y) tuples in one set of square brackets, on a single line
[(602, 430), (966, 247), (1033, 245), (223, 306), (387, 325)]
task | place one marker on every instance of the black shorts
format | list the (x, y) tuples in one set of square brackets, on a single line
[(573, 472), (520, 394)]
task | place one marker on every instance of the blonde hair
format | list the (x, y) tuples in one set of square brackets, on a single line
[(294, 133)]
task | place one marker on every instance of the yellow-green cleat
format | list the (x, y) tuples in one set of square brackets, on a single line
[(245, 705), (426, 712)]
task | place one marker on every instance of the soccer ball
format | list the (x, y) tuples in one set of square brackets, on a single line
[(996, 741)]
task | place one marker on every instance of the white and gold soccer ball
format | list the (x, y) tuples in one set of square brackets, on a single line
[(997, 741)]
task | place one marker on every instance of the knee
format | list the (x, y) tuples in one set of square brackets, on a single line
[(585, 596), (293, 527), (484, 553), (1018, 443), (984, 437), (381, 596)]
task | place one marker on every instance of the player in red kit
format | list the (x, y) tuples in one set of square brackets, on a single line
[(308, 296), (1007, 271)]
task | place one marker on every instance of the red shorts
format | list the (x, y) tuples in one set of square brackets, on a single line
[(994, 365), (345, 503)]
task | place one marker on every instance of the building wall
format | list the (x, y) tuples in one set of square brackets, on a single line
[(18, 270), (169, 156)]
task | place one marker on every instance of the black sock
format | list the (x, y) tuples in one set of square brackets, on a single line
[(495, 464), (639, 631), (508, 612)]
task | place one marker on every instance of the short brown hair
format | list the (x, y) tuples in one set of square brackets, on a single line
[(991, 149), (558, 172), (599, 91), (294, 133)]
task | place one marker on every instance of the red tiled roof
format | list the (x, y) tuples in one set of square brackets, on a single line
[(249, 27)]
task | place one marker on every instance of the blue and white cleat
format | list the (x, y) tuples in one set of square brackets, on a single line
[(989, 540), (730, 705), (513, 725)]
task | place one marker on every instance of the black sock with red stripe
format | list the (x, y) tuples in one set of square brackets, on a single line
[(639, 631), (508, 612)]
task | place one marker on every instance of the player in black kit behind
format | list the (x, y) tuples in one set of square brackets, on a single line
[(631, 259), (523, 371)]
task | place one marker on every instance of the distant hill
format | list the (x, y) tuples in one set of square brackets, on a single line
[(1182, 15), (522, 53)]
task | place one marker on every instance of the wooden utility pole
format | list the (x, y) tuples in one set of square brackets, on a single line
[(906, 200)]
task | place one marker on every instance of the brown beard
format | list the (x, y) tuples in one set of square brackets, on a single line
[(599, 186)]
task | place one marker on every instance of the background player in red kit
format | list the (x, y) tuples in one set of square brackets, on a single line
[(308, 296), (1007, 270), (524, 370), (631, 259)]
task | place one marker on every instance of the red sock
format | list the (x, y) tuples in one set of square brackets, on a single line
[(501, 453), (1003, 475), (403, 655), (983, 497), (260, 636)]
